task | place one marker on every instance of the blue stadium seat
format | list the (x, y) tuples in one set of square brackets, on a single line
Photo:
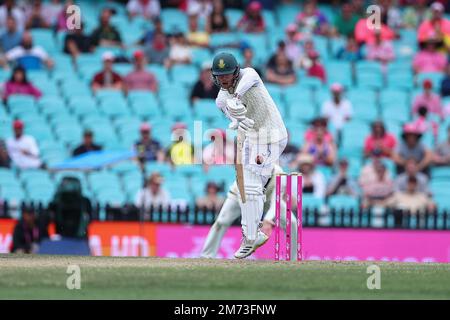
[(222, 39), (206, 109), (343, 202), (302, 111), (174, 20), (177, 109), (311, 203), (184, 75)]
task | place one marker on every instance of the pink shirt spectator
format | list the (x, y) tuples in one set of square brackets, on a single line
[(310, 135), (429, 61), (388, 141), (318, 71), (428, 31), (422, 125), (432, 102), (365, 35), (381, 52), (20, 88), (141, 80)]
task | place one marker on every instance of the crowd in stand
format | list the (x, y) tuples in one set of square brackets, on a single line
[(375, 184)]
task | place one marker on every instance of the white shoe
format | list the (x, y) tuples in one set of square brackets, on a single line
[(261, 240), (248, 247)]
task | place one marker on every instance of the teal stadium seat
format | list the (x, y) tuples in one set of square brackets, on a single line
[(205, 109), (343, 202)]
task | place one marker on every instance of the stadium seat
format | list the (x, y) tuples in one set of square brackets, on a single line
[(184, 75), (205, 109), (312, 203), (343, 202), (174, 20)]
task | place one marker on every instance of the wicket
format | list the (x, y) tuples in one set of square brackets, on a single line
[(288, 215)]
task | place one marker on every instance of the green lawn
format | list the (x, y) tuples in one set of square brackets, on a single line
[(44, 277)]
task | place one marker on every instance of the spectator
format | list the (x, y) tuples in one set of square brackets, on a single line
[(429, 59), (376, 184), (35, 16), (204, 88), (149, 9), (337, 110), (28, 233), (153, 194), (180, 52), (106, 35), (23, 149), (5, 161), (200, 8), (316, 125), (415, 14), (217, 21), (212, 201), (107, 78), (308, 47), (11, 37), (380, 51), (28, 55), (9, 8), (148, 149), (390, 14), (19, 84), (421, 124), (401, 182), (445, 82), (87, 145), (313, 180), (379, 143), (181, 151), (293, 49), (429, 100), (316, 69), (351, 52), (51, 11), (345, 21), (196, 37), (63, 15), (252, 21), (435, 27), (322, 150), (219, 151), (365, 33), (342, 182), (411, 147), (281, 71), (412, 199), (311, 20), (442, 152), (248, 54), (148, 37), (139, 78), (155, 44), (77, 42)]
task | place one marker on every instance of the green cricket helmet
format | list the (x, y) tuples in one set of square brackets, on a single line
[(224, 63)]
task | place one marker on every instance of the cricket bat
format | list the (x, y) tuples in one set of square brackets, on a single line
[(240, 166)]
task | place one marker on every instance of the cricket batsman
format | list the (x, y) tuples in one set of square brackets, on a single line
[(231, 211), (245, 101)]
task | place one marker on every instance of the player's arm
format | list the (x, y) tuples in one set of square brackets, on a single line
[(250, 78)]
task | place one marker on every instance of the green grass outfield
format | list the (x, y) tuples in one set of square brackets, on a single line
[(44, 277)]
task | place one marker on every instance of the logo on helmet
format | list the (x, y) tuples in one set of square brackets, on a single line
[(221, 64)]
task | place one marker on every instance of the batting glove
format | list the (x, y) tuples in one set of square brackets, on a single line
[(246, 124), (233, 125), (236, 109)]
